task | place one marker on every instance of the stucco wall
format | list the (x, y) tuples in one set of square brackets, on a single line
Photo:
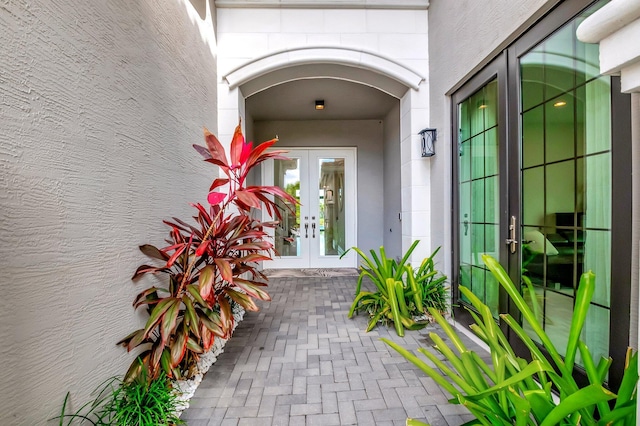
[(100, 103), (462, 36), (366, 136), (392, 231)]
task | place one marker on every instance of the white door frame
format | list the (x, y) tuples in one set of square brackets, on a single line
[(308, 239)]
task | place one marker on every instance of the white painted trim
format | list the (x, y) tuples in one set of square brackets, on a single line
[(610, 18), (323, 55), (326, 4)]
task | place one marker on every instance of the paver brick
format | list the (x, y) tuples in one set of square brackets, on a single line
[(301, 361)]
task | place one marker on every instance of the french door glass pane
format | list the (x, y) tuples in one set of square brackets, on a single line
[(478, 191), (286, 174), (566, 184), (331, 201)]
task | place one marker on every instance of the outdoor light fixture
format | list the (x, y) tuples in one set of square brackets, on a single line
[(428, 138), (320, 104)]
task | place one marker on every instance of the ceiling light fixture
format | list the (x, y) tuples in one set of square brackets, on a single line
[(320, 104), (560, 103)]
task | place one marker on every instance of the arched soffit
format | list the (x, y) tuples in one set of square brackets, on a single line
[(310, 71), (349, 64)]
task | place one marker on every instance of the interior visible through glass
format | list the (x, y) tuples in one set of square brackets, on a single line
[(331, 202), (286, 174), (478, 194), (566, 183)]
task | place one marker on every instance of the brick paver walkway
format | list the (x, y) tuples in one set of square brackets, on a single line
[(301, 361)]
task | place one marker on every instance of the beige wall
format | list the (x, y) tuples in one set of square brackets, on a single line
[(100, 103)]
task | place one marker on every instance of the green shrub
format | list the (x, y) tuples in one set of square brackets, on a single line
[(403, 293), (513, 391), (136, 403)]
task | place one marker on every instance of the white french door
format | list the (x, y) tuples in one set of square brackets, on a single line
[(319, 230)]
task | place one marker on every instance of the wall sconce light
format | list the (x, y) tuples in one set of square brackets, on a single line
[(429, 136), (320, 104)]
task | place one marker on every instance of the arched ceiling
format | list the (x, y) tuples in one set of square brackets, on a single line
[(295, 100)]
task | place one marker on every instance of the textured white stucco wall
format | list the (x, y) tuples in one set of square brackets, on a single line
[(462, 35), (99, 104), (396, 35)]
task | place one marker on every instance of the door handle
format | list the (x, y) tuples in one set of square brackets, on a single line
[(313, 230), (511, 241), (306, 230)]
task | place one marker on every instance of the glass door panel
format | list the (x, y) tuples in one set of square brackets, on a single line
[(323, 226), (478, 202), (565, 176), (286, 174), (331, 202)]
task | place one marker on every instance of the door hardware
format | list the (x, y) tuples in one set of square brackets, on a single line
[(511, 241), (313, 230), (306, 230)]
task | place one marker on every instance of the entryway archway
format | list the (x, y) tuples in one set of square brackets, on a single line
[(391, 207)]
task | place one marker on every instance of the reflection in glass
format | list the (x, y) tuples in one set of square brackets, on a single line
[(478, 195), (566, 183), (331, 201), (286, 175)]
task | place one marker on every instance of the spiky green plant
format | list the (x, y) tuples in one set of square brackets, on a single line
[(403, 293), (513, 391), (141, 402)]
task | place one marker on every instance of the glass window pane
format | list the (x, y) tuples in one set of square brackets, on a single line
[(478, 282), (492, 199), (596, 331), (597, 191), (596, 121), (533, 197), (491, 152), (477, 156), (464, 122), (465, 161), (558, 311), (533, 137), (532, 83), (559, 68), (490, 104), (560, 191), (596, 245), (477, 244), (476, 106), (477, 201), (287, 233), (331, 202), (559, 128)]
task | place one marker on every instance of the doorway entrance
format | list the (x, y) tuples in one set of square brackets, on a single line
[(317, 232)]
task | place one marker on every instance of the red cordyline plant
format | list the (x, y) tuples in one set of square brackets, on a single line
[(210, 265)]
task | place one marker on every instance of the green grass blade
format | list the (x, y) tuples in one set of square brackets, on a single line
[(402, 303), (448, 329), (577, 401), (593, 375), (395, 310), (423, 366), (501, 275), (581, 307), (628, 387)]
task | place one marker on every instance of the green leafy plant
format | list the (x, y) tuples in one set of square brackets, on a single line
[(513, 391), (403, 293), (210, 264), (137, 403)]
